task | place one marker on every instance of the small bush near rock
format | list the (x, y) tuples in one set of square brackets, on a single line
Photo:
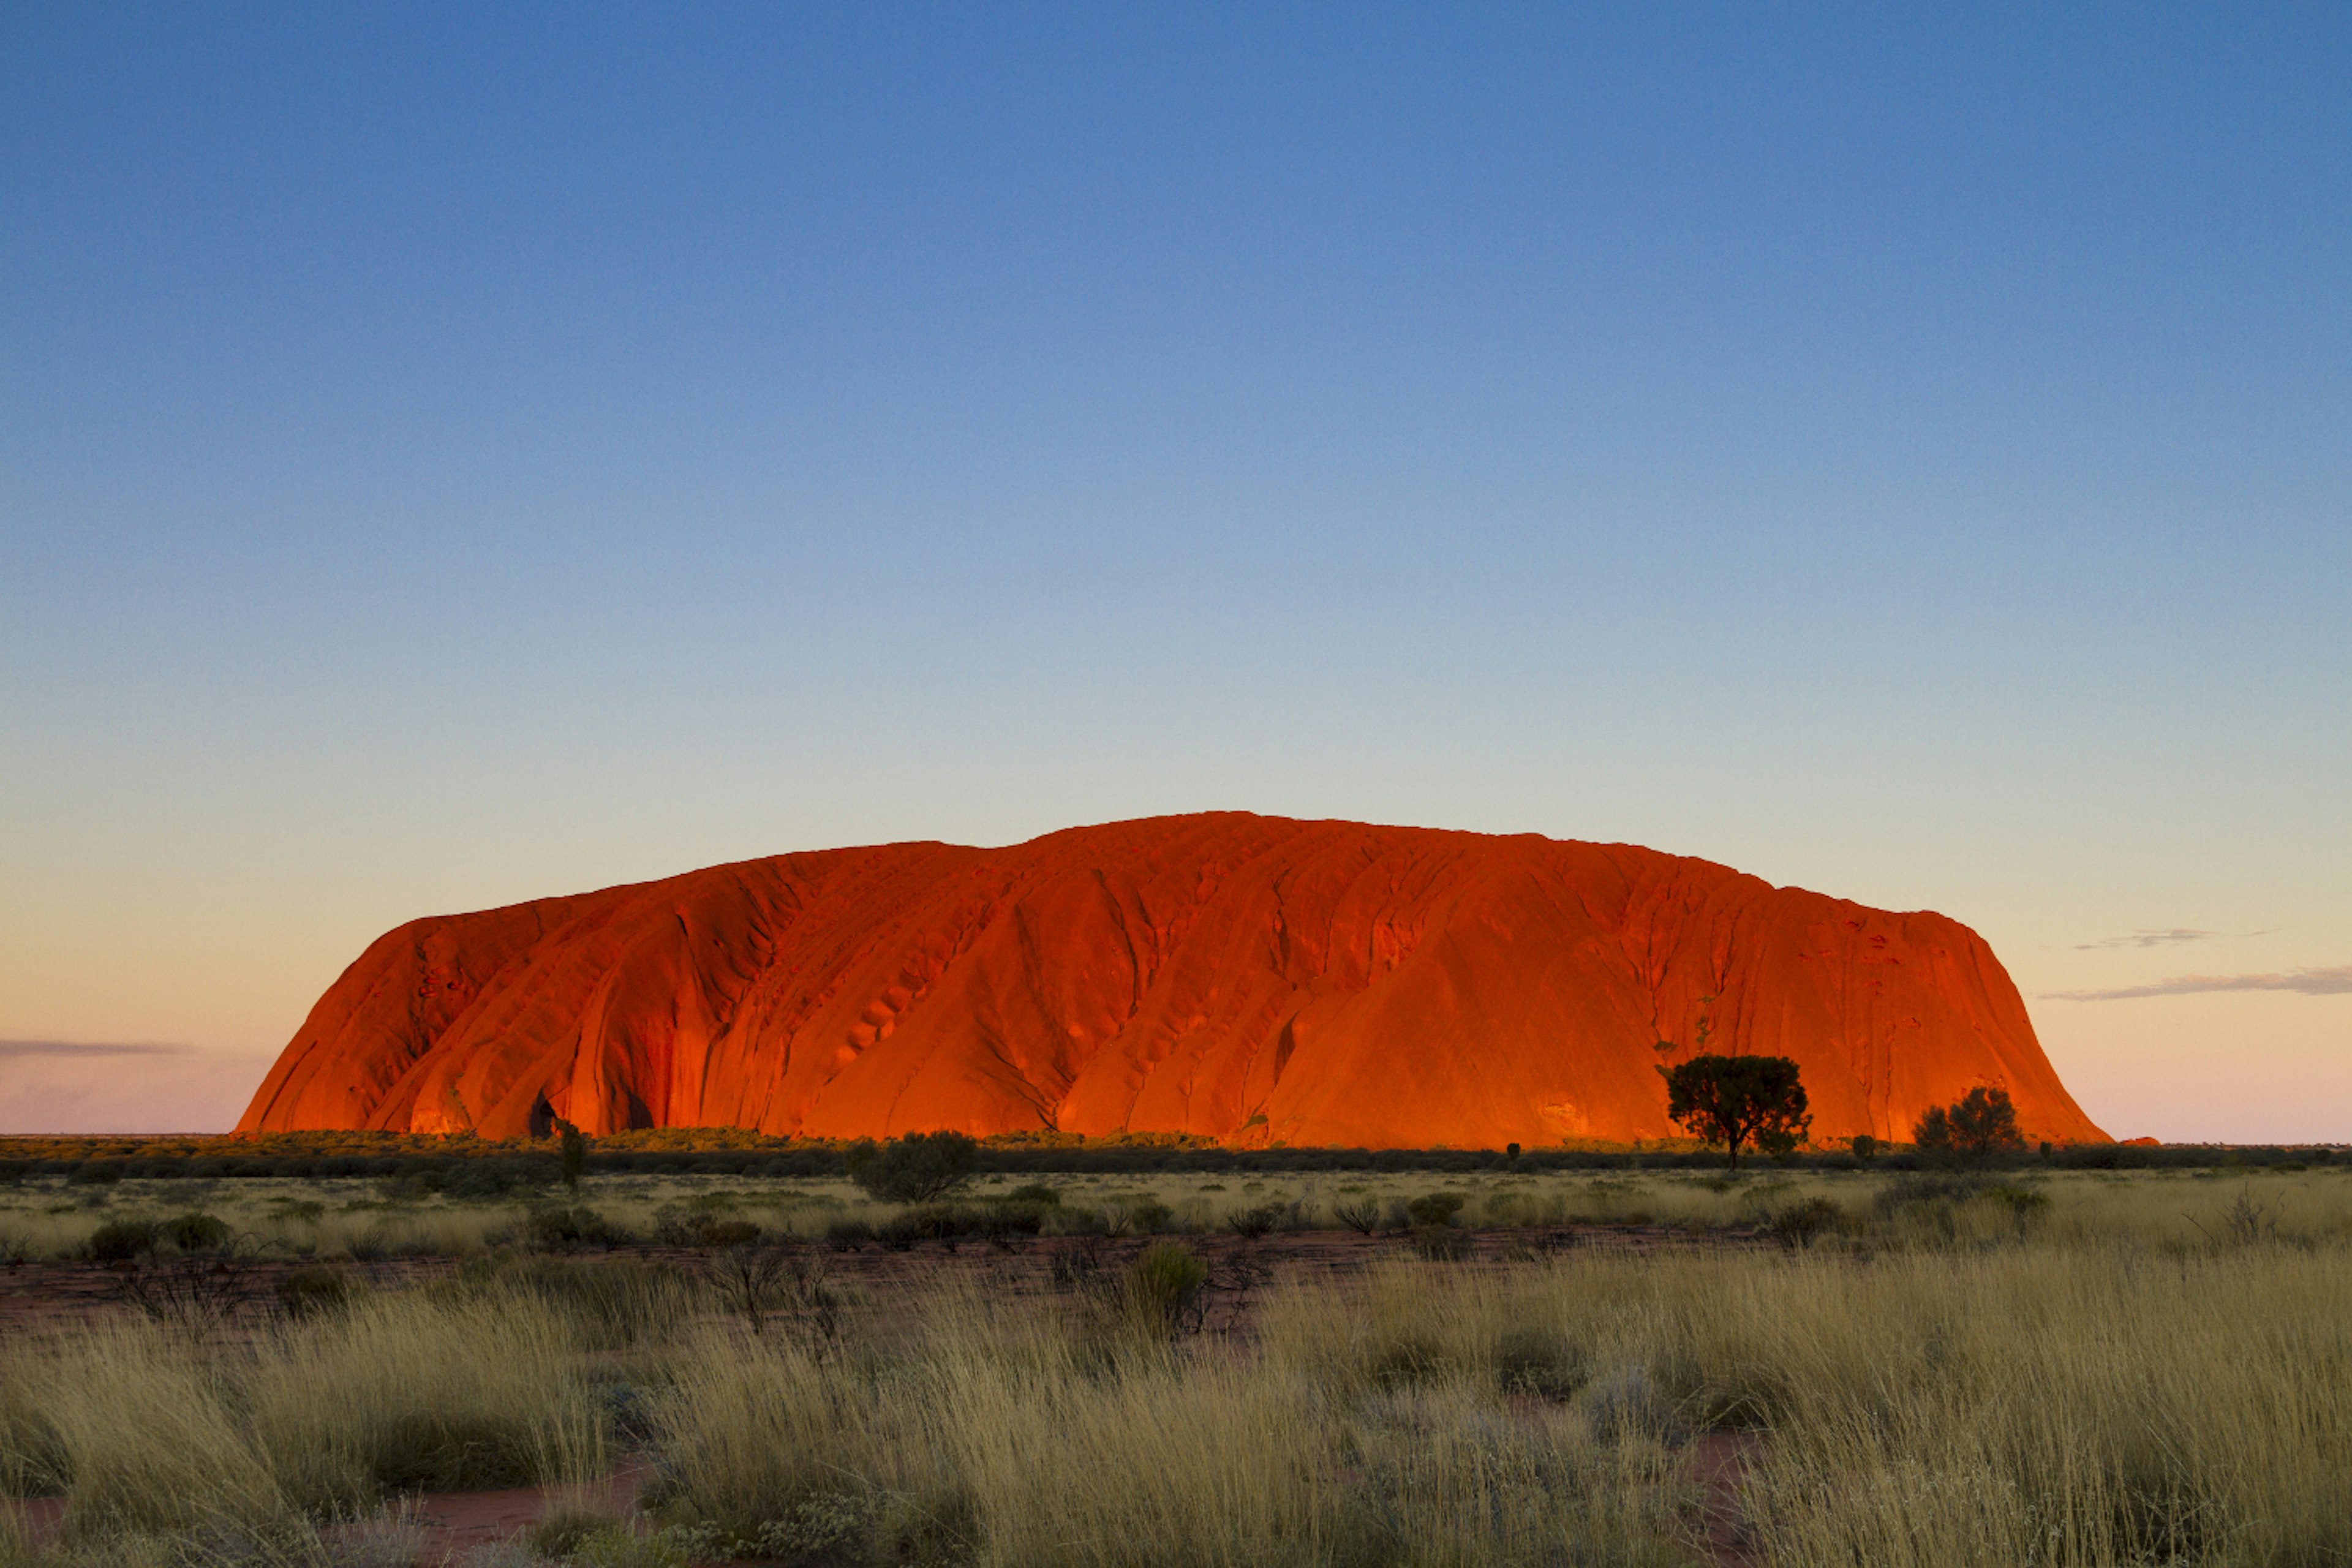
[(914, 1169)]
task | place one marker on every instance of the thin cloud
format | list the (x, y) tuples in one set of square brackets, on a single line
[(70, 1049), (2148, 938), (2333, 981)]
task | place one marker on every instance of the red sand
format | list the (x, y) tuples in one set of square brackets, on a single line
[(1246, 978)]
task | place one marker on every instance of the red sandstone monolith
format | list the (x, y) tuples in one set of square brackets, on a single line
[(1248, 978)]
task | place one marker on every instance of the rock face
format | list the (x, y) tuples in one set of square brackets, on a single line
[(1249, 978)]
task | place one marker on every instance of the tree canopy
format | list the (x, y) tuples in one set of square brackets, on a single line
[(1734, 1100), (914, 1169), (1980, 1122)]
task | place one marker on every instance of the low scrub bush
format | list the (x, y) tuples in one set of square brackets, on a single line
[(1435, 1208), (120, 1241), (930, 1222), (560, 1229), (1138, 1215), (915, 1169), (1072, 1219), (758, 1283), (563, 1530), (1796, 1225), (1255, 1221), (704, 1228), (194, 1233), (1036, 1192)]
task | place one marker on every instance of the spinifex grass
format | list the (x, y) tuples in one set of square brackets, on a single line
[(1946, 1374)]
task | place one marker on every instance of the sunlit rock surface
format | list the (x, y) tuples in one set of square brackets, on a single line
[(1253, 979)]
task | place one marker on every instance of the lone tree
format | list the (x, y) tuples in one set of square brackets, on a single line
[(914, 1169), (1980, 1122), (1733, 1100)]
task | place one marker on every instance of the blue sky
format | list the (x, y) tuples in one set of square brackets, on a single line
[(451, 455)]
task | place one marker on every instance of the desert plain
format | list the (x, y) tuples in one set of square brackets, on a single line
[(442, 1352)]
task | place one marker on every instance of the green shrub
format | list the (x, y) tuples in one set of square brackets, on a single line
[(120, 1241), (1796, 1225), (480, 1180), (845, 1235), (196, 1233), (726, 1232), (1139, 1215), (2024, 1203), (1360, 1214), (827, 1522), (1001, 1222), (703, 1229), (1034, 1192), (616, 1548), (1435, 1208), (1255, 1222), (1073, 1220), (559, 1230), (564, 1530), (915, 1169)]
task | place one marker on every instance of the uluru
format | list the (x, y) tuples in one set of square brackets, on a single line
[(1252, 979)]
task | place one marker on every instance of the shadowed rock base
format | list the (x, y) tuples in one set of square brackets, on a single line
[(1248, 978)]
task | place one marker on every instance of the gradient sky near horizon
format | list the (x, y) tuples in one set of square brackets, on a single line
[(450, 454)]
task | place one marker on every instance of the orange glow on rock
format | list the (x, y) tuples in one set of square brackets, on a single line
[(1248, 978)]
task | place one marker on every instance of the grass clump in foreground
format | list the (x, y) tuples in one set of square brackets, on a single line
[(1936, 1371)]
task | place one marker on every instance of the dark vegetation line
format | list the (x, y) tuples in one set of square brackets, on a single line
[(735, 1153)]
